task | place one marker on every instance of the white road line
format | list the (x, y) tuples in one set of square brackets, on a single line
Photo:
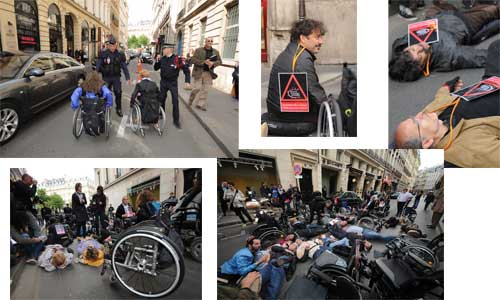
[(121, 130)]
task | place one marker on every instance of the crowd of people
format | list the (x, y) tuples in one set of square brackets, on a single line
[(259, 269), (42, 237)]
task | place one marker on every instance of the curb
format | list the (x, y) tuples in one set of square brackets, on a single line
[(217, 140), (14, 277)]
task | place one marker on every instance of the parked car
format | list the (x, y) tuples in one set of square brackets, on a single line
[(146, 57), (31, 82)]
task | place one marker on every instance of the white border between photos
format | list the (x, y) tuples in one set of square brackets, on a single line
[(372, 62), (208, 165)]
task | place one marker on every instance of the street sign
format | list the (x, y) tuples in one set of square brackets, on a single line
[(297, 169)]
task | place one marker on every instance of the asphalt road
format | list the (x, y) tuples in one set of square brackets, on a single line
[(79, 281), (408, 98), (50, 134), (232, 238)]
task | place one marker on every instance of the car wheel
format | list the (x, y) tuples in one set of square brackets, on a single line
[(9, 122)]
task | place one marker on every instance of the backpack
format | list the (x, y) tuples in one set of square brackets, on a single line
[(150, 106), (392, 222), (59, 233), (91, 109), (348, 99)]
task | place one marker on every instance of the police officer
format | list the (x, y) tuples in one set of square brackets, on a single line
[(109, 65), (170, 65)]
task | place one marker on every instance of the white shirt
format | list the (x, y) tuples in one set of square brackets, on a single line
[(403, 197)]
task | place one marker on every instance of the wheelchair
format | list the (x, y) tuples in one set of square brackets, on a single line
[(330, 120), (137, 125), (146, 259), (85, 106)]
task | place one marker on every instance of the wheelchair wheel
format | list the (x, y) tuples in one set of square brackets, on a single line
[(329, 122), (272, 236), (77, 123), (162, 121), (366, 222), (135, 120), (195, 249), (107, 122), (147, 265)]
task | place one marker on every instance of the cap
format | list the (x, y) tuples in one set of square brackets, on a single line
[(168, 45), (111, 40)]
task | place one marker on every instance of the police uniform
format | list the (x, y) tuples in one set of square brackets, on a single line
[(169, 72), (109, 64)]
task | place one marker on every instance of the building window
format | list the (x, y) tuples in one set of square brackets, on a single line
[(118, 173), (203, 26), (339, 155), (106, 179), (231, 34), (27, 25)]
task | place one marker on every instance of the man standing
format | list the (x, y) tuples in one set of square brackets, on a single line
[(170, 65), (205, 59), (403, 198), (109, 64), (99, 206), (306, 38)]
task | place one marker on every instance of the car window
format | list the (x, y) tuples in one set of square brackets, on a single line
[(59, 63), (11, 64), (42, 62), (70, 61)]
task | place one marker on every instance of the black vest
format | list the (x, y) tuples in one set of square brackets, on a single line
[(111, 63)]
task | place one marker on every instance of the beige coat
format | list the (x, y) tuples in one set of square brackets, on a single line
[(476, 142), (198, 61)]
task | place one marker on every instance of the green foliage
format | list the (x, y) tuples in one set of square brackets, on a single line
[(138, 41), (55, 201), (132, 42), (42, 194)]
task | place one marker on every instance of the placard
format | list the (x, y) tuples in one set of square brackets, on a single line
[(423, 32), (294, 96), (480, 89)]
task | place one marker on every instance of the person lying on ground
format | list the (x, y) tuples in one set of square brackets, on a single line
[(315, 247), (55, 257), (457, 31), (340, 229), (472, 138)]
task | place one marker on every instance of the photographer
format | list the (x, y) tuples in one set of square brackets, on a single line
[(24, 190)]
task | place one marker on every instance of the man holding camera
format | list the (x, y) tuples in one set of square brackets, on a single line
[(24, 191), (205, 59)]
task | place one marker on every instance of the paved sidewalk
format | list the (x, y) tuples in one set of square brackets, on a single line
[(220, 119)]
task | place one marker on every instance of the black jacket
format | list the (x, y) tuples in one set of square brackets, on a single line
[(170, 67), (23, 194), (305, 63), (451, 52), (79, 209), (99, 203), (120, 211), (148, 91)]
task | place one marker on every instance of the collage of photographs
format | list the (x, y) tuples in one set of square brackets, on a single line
[(105, 142)]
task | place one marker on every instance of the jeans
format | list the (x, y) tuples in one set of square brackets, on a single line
[(343, 242), (32, 250), (33, 224), (272, 280), (400, 208), (372, 235)]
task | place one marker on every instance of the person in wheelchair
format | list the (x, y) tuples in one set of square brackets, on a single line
[(145, 207), (87, 96), (305, 43), (146, 94), (468, 131), (124, 210)]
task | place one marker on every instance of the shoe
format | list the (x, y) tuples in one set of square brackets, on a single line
[(406, 13), (31, 261), (177, 125), (119, 112)]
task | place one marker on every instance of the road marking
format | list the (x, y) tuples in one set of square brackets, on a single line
[(121, 130)]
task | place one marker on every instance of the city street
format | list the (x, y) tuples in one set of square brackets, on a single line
[(232, 238), (50, 133), (79, 281), (408, 98)]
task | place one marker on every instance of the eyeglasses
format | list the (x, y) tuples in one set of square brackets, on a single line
[(418, 128), (210, 41)]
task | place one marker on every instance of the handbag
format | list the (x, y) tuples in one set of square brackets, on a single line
[(233, 91)]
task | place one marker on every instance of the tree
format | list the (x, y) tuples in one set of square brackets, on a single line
[(132, 42), (143, 41), (42, 194), (55, 201)]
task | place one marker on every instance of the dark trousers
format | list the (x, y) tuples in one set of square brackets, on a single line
[(81, 229), (170, 85), (411, 4), (315, 212), (223, 206), (481, 15), (427, 204), (240, 211), (400, 208), (115, 83)]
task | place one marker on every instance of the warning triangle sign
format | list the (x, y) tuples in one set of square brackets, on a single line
[(293, 90)]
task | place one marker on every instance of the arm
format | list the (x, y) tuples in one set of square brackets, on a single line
[(196, 58), (244, 265), (157, 65), (75, 98), (316, 91), (98, 64), (124, 67), (106, 93)]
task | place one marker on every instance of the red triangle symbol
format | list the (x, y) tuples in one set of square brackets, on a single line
[(294, 93)]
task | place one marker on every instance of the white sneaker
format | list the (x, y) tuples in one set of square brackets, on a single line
[(406, 13), (31, 261)]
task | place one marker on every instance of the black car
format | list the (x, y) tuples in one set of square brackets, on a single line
[(348, 199), (146, 57), (31, 82)]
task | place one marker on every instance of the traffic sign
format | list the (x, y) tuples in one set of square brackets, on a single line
[(297, 169)]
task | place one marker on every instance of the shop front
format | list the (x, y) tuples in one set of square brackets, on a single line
[(55, 31), (247, 172), (28, 35)]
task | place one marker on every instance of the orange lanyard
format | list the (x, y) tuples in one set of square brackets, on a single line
[(455, 104), (296, 56), (426, 71)]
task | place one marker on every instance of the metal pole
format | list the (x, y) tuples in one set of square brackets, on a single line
[(302, 10)]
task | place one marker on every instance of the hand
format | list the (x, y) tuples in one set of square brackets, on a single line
[(264, 259), (454, 84), (248, 280), (129, 82), (210, 64), (35, 182), (36, 240), (188, 86), (157, 57)]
